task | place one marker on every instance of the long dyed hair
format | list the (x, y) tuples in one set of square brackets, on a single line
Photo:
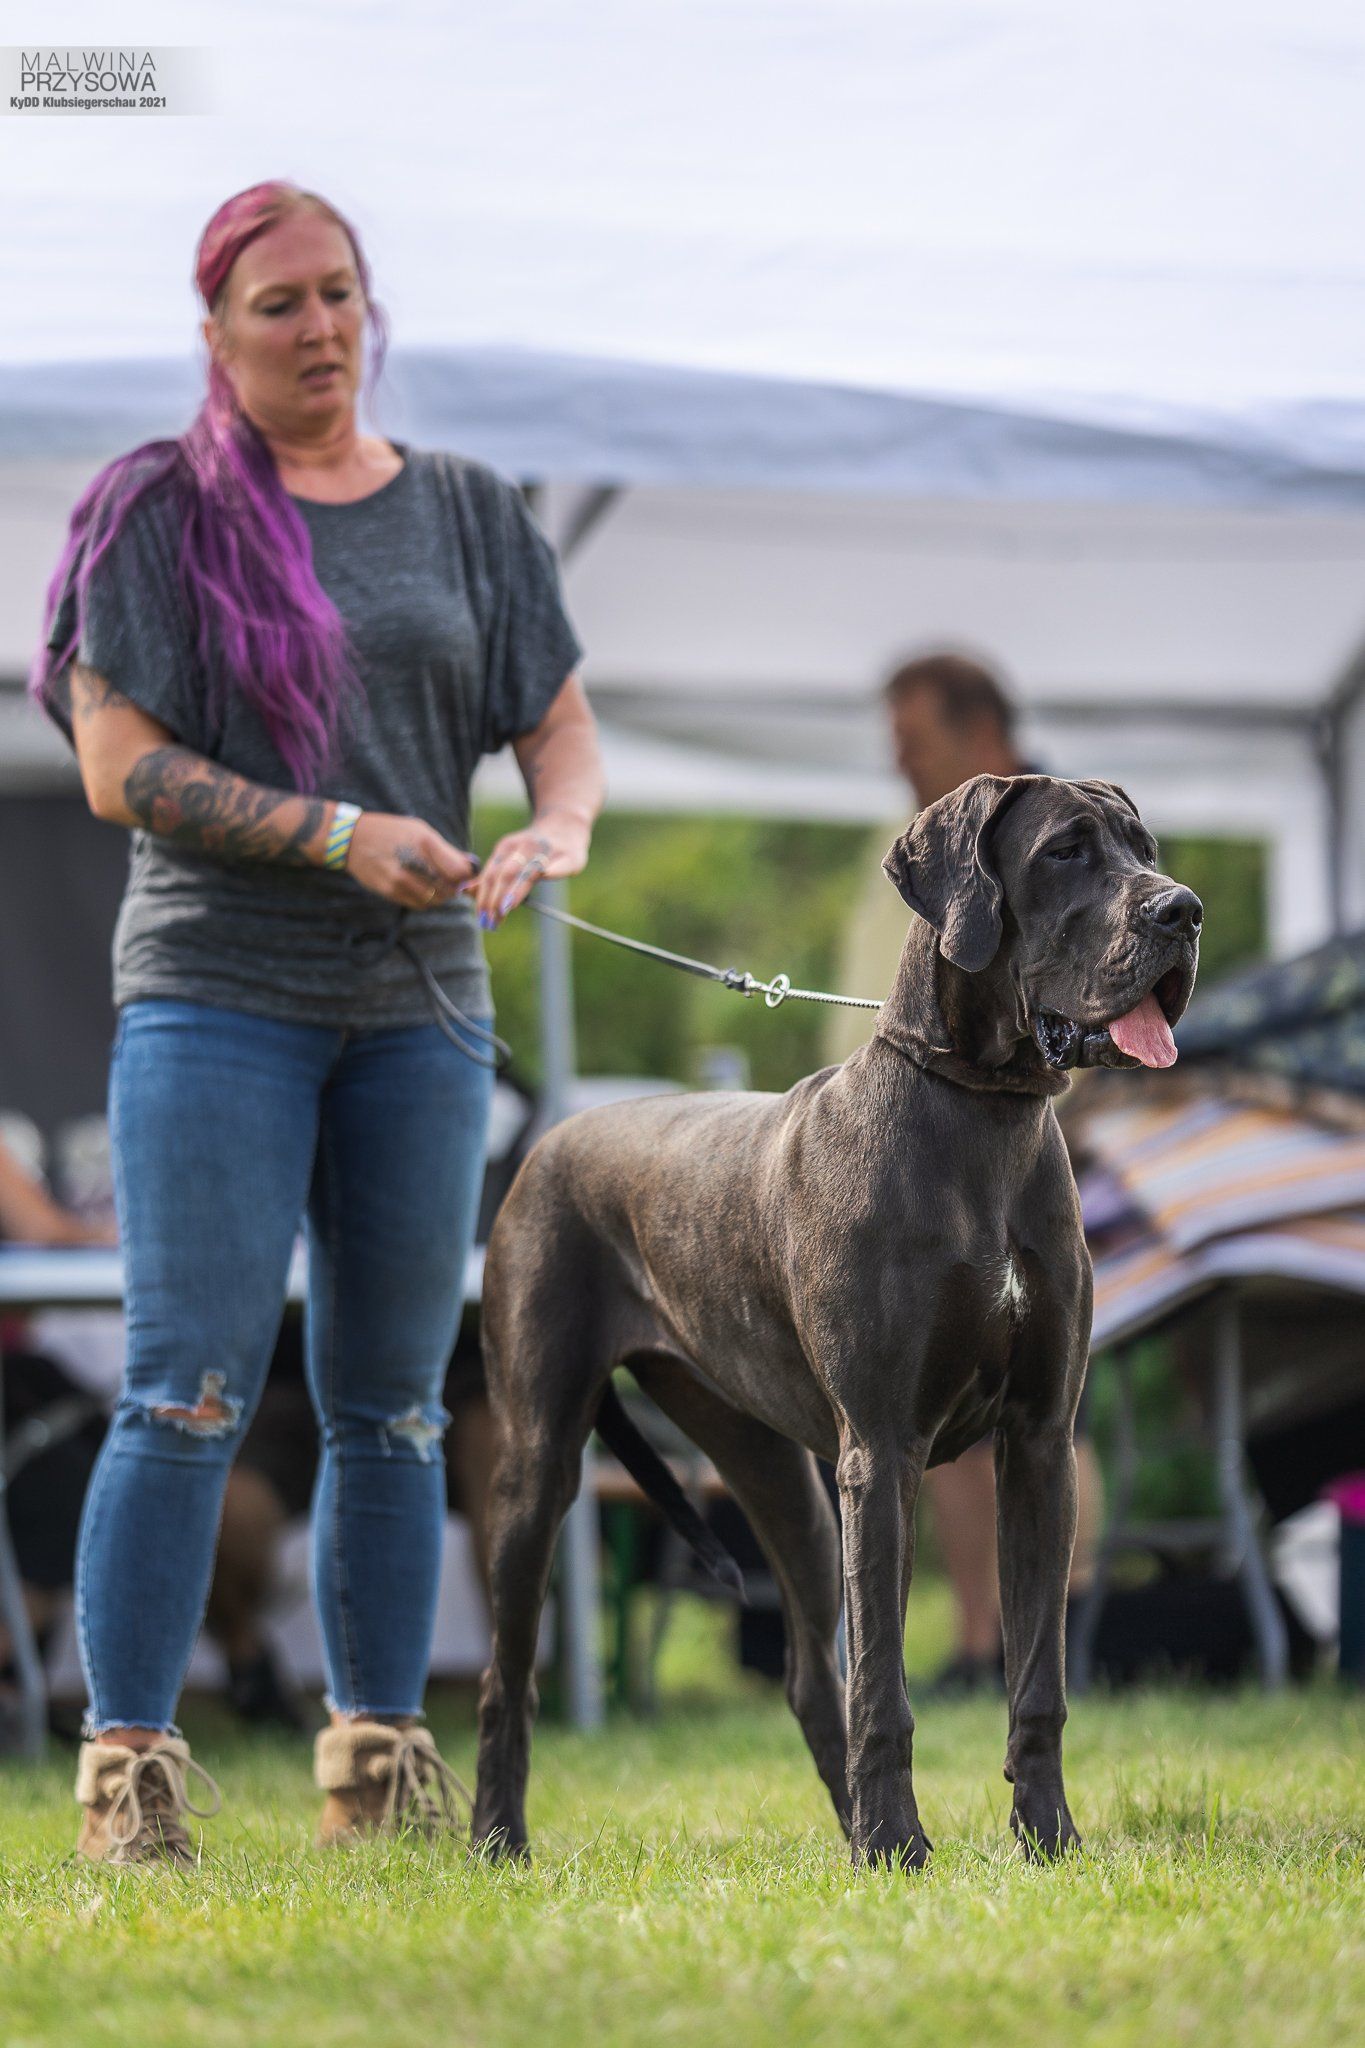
[(245, 563)]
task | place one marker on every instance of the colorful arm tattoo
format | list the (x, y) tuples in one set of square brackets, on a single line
[(191, 801)]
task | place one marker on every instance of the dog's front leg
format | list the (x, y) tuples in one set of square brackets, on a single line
[(878, 1487), (1035, 1473)]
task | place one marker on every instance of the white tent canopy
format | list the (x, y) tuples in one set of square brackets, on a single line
[(1011, 322)]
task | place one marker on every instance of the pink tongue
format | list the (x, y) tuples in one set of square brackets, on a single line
[(1145, 1035)]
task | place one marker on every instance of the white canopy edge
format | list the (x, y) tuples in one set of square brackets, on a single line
[(578, 419)]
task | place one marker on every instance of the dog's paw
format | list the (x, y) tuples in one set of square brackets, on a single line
[(1044, 1829), (909, 1851), (500, 1845)]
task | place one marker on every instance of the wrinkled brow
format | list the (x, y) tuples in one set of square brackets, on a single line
[(1066, 828), (291, 284)]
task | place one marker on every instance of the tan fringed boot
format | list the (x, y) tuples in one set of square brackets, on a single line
[(135, 1801), (380, 1780)]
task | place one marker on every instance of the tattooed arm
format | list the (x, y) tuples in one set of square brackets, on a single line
[(136, 772), (181, 796), (561, 764)]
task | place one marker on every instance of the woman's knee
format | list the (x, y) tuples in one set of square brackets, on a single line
[(189, 1410), (214, 1413), (413, 1431)]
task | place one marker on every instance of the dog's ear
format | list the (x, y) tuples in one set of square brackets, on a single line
[(943, 869), (1111, 790)]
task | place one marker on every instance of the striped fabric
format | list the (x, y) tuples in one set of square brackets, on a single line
[(1138, 1286), (1202, 1169), (1212, 1192)]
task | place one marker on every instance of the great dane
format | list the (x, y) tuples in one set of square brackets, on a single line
[(875, 1268)]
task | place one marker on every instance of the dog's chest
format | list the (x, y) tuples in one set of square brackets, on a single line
[(970, 1363), (996, 1305)]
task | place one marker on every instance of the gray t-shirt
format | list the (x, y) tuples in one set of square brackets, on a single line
[(452, 599)]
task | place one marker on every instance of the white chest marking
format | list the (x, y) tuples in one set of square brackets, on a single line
[(1011, 1287)]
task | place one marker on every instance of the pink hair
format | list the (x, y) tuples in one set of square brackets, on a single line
[(245, 562)]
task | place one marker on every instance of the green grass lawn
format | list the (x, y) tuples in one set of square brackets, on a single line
[(690, 1887)]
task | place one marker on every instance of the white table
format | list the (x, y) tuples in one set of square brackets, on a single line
[(91, 1276), (83, 1276)]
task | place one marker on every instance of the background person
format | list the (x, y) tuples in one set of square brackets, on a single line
[(43, 1499), (62, 1374), (292, 641), (951, 718)]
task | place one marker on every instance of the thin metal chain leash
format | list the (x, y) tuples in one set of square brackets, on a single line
[(778, 990), (372, 945)]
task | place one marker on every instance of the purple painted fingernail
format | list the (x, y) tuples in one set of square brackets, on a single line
[(505, 906), (485, 921)]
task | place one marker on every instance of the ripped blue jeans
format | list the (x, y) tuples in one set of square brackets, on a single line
[(230, 1130)]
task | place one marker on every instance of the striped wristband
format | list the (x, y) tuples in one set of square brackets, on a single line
[(344, 820)]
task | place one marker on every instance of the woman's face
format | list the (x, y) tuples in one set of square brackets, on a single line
[(290, 334)]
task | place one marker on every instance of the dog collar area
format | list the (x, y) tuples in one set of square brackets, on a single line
[(947, 1065), (1065, 1044)]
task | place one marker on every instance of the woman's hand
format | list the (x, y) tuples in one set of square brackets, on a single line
[(407, 860), (554, 843)]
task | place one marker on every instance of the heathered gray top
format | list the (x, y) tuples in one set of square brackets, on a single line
[(452, 600)]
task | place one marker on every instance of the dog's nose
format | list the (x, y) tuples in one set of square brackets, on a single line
[(1175, 910)]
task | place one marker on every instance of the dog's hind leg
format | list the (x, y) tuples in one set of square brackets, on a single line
[(778, 1486), (1035, 1484)]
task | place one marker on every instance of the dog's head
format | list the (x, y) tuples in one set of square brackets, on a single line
[(1054, 887)]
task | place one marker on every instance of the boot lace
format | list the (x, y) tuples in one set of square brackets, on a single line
[(145, 1811), (422, 1788)]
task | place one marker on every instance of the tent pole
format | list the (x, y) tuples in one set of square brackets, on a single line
[(579, 1561), (579, 1573), (1343, 701), (587, 514), (1334, 819), (1239, 1526)]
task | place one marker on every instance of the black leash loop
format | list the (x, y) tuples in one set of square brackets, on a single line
[(380, 942)]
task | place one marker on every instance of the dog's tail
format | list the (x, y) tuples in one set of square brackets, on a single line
[(649, 1471)]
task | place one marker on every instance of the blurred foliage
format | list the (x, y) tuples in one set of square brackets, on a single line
[(1229, 876), (758, 893), (1175, 1472)]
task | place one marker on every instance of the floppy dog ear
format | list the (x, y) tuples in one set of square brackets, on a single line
[(1110, 789), (943, 869)]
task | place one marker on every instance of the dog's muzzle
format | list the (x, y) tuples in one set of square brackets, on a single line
[(1065, 1044)]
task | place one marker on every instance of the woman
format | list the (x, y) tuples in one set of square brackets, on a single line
[(278, 647)]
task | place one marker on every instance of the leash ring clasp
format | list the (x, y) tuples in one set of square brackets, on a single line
[(778, 988)]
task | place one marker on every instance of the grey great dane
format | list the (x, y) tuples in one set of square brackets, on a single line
[(876, 1268)]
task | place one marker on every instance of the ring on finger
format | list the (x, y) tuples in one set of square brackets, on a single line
[(528, 871)]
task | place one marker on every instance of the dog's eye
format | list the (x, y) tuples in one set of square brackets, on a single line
[(1072, 850)]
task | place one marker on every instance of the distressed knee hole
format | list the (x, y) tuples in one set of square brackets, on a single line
[(413, 1429), (213, 1415)]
